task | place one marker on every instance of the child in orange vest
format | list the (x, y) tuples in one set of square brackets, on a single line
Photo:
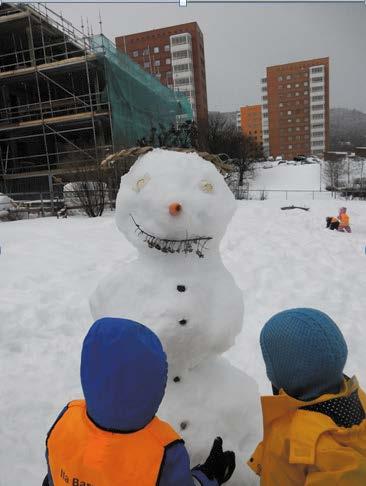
[(114, 437), (315, 424), (343, 220)]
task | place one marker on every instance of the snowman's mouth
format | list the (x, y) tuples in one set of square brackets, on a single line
[(187, 245)]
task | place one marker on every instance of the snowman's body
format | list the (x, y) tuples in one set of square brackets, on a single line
[(191, 302)]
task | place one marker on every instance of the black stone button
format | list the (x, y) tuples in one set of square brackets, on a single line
[(183, 425), (183, 322), (181, 288), (176, 379)]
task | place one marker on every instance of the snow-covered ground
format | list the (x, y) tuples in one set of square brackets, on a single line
[(49, 267)]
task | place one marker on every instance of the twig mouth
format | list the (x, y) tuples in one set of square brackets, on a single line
[(186, 245)]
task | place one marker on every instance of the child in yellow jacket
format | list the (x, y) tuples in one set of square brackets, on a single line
[(314, 425)]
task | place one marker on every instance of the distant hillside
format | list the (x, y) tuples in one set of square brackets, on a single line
[(229, 115), (347, 129)]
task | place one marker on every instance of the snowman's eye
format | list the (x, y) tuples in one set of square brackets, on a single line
[(206, 186), (140, 183)]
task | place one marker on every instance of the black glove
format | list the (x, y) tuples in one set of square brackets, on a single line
[(219, 465)]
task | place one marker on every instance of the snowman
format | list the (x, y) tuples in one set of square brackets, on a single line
[(174, 208)]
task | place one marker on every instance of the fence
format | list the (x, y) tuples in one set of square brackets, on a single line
[(289, 194)]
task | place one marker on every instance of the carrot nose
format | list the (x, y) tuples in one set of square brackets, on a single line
[(175, 208)]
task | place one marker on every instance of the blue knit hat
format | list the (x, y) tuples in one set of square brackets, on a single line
[(123, 374), (304, 352)]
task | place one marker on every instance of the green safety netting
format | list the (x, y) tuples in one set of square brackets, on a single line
[(138, 101)]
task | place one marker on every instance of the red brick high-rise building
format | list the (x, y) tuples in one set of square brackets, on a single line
[(175, 55), (295, 108), (251, 121)]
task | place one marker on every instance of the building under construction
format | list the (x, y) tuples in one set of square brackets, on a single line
[(67, 99)]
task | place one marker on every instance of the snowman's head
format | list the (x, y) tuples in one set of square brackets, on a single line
[(174, 202)]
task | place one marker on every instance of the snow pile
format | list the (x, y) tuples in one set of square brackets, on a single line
[(288, 177), (5, 204), (49, 268)]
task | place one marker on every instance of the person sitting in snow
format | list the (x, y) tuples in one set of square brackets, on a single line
[(314, 425), (343, 220), (114, 436), (332, 222)]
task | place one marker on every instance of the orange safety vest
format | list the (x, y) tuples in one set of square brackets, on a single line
[(82, 454)]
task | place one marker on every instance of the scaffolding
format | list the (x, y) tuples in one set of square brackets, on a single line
[(68, 99)]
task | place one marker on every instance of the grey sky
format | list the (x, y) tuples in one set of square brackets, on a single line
[(242, 39)]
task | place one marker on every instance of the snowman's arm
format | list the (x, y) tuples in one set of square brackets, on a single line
[(176, 469)]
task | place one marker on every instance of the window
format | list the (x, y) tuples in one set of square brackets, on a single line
[(290, 147), (289, 139), (180, 39), (298, 137), (317, 70), (145, 52), (182, 81), (146, 65), (288, 76), (317, 88), (318, 116), (289, 112), (168, 74), (317, 107), (298, 120), (157, 62), (289, 129), (288, 95), (264, 80), (306, 93), (317, 98), (297, 93), (265, 115), (288, 86), (158, 75), (306, 83), (317, 125), (289, 120), (317, 142), (318, 79), (280, 105), (317, 134), (297, 85), (306, 129), (181, 55), (167, 60), (135, 53), (156, 50), (264, 88), (280, 78), (179, 68), (167, 48), (297, 129), (265, 107)]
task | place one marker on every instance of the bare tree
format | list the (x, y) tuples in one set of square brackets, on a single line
[(88, 193), (333, 171), (225, 137)]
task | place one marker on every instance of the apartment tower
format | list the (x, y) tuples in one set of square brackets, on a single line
[(295, 108), (175, 55), (251, 121)]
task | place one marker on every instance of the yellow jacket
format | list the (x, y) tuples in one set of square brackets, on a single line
[(307, 448)]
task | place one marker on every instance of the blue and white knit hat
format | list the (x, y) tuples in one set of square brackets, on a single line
[(304, 352)]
